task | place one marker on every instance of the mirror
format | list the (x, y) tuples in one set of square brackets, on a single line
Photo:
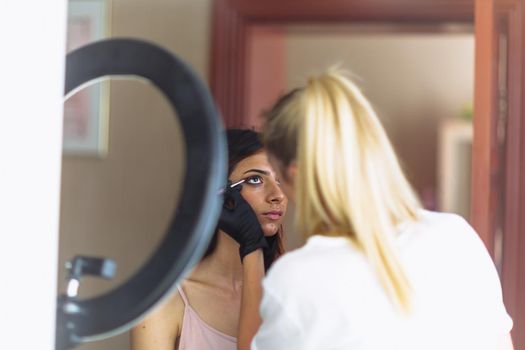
[(184, 27)]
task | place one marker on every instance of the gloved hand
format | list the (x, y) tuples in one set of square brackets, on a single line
[(240, 222), (270, 253)]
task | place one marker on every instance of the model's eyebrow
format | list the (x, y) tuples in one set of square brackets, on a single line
[(264, 172)]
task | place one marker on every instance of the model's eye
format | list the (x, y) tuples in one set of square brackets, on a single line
[(254, 180)]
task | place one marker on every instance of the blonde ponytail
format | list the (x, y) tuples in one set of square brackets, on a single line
[(349, 182)]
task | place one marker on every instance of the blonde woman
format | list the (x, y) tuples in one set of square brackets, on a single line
[(377, 271)]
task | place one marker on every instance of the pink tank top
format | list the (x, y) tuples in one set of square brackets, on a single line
[(198, 335)]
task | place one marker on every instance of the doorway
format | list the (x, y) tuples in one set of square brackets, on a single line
[(498, 173), (427, 112)]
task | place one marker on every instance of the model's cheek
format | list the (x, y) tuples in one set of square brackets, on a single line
[(288, 193), (252, 194), (252, 190)]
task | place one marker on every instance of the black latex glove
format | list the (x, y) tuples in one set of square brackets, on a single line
[(240, 222), (271, 251)]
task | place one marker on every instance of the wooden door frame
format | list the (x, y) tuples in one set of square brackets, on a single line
[(231, 35), (488, 167), (233, 18), (512, 16)]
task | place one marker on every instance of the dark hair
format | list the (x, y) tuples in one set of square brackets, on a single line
[(243, 143)]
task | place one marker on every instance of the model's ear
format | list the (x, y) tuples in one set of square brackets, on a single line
[(291, 171)]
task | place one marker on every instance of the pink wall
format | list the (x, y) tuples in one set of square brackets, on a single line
[(265, 71)]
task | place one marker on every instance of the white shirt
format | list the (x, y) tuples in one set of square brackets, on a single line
[(325, 295)]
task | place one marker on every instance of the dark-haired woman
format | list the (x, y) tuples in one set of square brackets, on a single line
[(204, 314)]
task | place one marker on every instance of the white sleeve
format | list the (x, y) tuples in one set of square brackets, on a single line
[(488, 293), (279, 330)]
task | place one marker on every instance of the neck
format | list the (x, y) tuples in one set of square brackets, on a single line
[(224, 264)]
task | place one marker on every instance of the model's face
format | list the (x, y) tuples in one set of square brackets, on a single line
[(286, 186), (262, 191)]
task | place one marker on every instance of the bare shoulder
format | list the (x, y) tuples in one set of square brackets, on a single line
[(161, 328)]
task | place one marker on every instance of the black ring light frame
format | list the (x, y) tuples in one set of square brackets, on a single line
[(193, 223)]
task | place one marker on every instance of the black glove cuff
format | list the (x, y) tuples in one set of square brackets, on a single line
[(246, 249)]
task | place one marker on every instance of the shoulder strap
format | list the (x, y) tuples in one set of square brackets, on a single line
[(182, 295)]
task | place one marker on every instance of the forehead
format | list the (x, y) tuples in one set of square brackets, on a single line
[(256, 161)]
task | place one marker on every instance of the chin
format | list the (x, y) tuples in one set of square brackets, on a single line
[(271, 230)]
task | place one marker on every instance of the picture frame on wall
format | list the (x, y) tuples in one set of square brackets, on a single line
[(86, 113)]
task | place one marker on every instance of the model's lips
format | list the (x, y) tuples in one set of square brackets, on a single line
[(273, 215)]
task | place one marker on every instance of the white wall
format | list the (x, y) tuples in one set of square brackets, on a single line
[(32, 34)]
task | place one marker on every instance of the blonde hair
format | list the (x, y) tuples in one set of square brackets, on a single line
[(349, 182)]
